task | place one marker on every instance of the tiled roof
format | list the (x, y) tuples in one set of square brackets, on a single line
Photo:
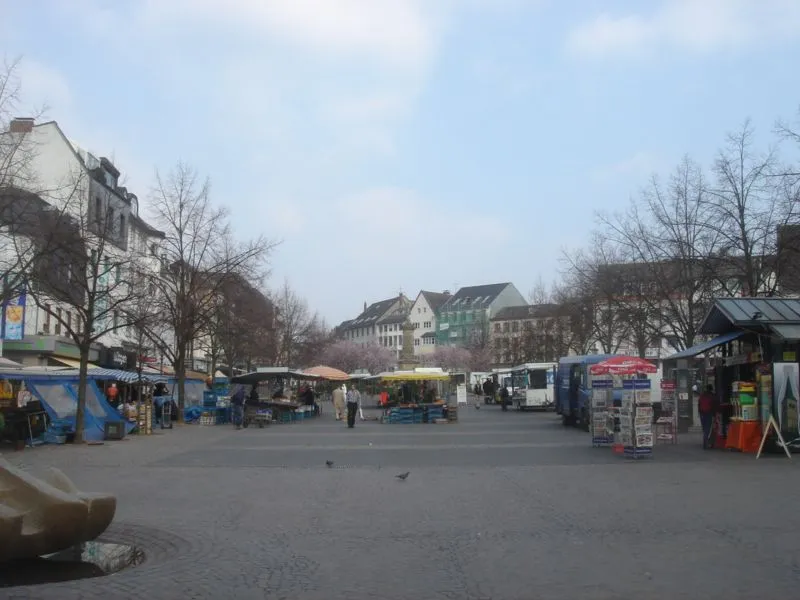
[(533, 311), (435, 299), (373, 313), (397, 317), (473, 297)]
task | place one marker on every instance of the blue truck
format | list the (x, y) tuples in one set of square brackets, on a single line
[(573, 389)]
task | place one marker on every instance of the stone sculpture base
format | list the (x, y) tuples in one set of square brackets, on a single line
[(47, 515)]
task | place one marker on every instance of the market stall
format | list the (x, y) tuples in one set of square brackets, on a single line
[(276, 395), (752, 367), (417, 396)]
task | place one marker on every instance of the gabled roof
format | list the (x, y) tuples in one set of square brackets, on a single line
[(435, 299), (730, 314), (474, 297), (373, 313), (532, 311)]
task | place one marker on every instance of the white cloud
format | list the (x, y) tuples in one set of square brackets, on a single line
[(43, 87), (692, 25), (398, 32), (638, 166)]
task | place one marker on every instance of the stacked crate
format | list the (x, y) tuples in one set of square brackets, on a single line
[(144, 418)]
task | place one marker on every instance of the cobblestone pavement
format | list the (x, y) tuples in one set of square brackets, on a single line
[(498, 506)]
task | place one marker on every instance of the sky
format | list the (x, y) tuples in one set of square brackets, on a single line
[(407, 144)]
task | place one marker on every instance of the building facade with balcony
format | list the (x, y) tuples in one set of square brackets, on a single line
[(464, 318), (379, 323), (72, 182)]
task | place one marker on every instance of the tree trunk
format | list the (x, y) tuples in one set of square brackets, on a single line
[(80, 411), (180, 374)]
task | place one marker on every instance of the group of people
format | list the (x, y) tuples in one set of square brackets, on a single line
[(346, 401), (488, 389), (239, 400)]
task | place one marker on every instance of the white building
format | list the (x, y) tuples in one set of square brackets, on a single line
[(423, 316), (70, 179), (379, 323)]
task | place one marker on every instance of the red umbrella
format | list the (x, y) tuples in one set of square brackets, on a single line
[(623, 365)]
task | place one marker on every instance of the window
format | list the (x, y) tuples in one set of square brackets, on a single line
[(122, 226), (58, 321), (69, 320), (419, 311), (46, 326), (98, 210), (515, 326), (416, 341), (497, 327), (116, 320), (110, 222), (505, 327)]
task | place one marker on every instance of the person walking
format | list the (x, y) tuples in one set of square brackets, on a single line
[(705, 406), (237, 407), (504, 398), (353, 402), (338, 402)]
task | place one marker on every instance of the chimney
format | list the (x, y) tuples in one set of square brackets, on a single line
[(21, 125), (446, 292), (365, 306)]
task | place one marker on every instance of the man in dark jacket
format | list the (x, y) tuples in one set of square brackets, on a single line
[(237, 407), (488, 391)]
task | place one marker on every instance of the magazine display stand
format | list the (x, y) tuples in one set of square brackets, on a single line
[(602, 401), (636, 418), (667, 422)]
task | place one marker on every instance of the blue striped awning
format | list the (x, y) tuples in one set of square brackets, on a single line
[(124, 376)]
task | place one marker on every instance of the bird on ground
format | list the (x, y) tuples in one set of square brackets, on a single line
[(477, 407), (403, 476), (329, 463)]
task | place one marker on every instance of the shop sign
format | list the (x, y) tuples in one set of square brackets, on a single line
[(668, 385), (119, 358), (790, 356), (743, 359)]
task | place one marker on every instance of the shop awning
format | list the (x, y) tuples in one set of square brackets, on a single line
[(787, 332), (73, 364), (705, 346)]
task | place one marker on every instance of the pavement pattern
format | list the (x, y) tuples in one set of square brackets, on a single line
[(498, 506)]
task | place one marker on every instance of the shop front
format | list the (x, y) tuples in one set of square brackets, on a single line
[(751, 367), (47, 350)]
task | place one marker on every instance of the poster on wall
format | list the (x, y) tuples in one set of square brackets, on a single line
[(14, 318), (786, 390)]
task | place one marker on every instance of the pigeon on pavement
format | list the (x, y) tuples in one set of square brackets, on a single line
[(403, 476), (329, 463)]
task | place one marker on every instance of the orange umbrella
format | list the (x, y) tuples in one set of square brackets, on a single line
[(328, 373)]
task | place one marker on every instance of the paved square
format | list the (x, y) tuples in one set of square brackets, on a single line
[(498, 506)]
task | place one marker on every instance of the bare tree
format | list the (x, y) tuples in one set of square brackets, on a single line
[(575, 327), (27, 208), (596, 271), (669, 232), (295, 323), (748, 207), (539, 293), (87, 282), (199, 258)]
